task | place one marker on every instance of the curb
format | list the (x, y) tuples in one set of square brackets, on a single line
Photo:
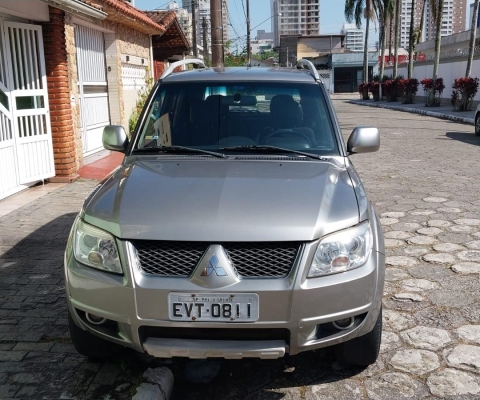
[(463, 120), (160, 386)]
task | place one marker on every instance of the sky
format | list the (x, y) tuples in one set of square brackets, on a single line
[(331, 15)]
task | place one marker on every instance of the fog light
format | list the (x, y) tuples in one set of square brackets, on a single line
[(343, 324), (95, 319)]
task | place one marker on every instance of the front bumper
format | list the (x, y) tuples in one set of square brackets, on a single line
[(295, 312)]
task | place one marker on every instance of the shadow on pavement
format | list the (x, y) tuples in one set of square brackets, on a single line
[(465, 137), (35, 341)]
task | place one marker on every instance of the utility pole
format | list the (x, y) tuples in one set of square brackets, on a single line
[(194, 29), (249, 48), (217, 32), (205, 41)]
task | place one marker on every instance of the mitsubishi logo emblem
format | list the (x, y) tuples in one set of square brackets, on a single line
[(219, 271)]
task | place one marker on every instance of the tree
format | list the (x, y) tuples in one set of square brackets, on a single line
[(398, 4), (356, 10), (473, 34), (436, 8), (411, 43), (387, 15)]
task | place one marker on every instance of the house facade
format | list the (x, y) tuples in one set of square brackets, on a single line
[(67, 69)]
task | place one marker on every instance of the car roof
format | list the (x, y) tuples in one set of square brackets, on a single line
[(242, 74)]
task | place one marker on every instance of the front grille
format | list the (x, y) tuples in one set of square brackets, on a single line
[(194, 333), (251, 260), (169, 258)]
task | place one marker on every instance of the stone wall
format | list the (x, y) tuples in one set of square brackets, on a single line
[(73, 80)]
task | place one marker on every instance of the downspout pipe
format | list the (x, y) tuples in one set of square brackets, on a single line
[(77, 7)]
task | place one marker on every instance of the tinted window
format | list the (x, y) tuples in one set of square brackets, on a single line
[(218, 115)]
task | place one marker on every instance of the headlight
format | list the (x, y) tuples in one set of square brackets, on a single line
[(96, 248), (342, 251)]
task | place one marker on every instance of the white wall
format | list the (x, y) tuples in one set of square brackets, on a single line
[(449, 71)]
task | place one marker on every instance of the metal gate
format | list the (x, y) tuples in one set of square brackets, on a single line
[(92, 85), (26, 152)]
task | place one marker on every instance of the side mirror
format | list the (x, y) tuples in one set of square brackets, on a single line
[(114, 138), (363, 140)]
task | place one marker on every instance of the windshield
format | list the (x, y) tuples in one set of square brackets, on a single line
[(213, 116)]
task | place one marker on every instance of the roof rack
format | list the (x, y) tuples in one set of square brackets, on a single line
[(176, 64), (307, 63)]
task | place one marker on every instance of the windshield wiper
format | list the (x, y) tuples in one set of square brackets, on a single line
[(273, 149), (177, 149)]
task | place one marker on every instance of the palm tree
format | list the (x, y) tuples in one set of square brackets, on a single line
[(411, 43), (398, 4), (436, 8), (356, 10), (387, 15), (473, 34)]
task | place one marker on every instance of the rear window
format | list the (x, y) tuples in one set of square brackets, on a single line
[(219, 115)]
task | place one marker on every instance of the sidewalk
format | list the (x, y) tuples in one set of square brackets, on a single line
[(444, 112)]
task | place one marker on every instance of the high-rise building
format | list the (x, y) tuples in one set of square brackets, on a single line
[(354, 37), (470, 19), (295, 17), (453, 21), (184, 18), (203, 10)]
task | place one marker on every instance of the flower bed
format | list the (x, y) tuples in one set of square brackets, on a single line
[(464, 90), (408, 89)]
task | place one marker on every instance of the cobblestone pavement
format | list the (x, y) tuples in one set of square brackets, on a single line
[(424, 185)]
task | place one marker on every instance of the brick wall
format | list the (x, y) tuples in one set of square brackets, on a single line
[(59, 96)]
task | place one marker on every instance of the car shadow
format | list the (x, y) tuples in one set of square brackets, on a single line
[(465, 137)]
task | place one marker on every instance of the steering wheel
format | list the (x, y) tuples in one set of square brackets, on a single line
[(285, 133)]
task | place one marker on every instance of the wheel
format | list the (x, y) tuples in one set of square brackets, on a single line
[(363, 350), (89, 345), (477, 125), (288, 133)]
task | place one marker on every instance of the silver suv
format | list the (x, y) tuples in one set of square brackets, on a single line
[(235, 227)]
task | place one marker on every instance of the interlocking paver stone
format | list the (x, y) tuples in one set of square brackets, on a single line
[(467, 268), (394, 385), (429, 231), (439, 258), (422, 240), (469, 255), (423, 337), (415, 361), (447, 247), (470, 333), (418, 285), (464, 357), (399, 261), (451, 382)]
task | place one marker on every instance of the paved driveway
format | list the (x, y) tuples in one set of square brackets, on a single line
[(424, 183)]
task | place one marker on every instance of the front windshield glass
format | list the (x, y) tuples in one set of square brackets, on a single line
[(222, 115)]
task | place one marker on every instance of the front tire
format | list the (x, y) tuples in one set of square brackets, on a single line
[(477, 125), (363, 350), (89, 345)]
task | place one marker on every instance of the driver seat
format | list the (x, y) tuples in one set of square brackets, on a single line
[(286, 114)]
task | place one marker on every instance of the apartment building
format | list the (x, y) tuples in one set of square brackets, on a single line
[(203, 11), (354, 37), (184, 18), (295, 17), (454, 21)]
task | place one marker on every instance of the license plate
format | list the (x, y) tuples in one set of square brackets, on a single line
[(213, 307)]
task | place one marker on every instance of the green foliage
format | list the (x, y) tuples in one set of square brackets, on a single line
[(232, 60), (142, 99)]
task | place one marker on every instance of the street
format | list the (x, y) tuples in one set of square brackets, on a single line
[(424, 185)]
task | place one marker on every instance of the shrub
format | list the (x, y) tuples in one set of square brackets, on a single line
[(464, 90), (142, 99), (409, 88), (433, 95), (374, 88), (363, 90)]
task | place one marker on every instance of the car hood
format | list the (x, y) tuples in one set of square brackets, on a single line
[(224, 200)]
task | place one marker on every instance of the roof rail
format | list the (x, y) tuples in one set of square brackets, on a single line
[(176, 64), (307, 63)]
